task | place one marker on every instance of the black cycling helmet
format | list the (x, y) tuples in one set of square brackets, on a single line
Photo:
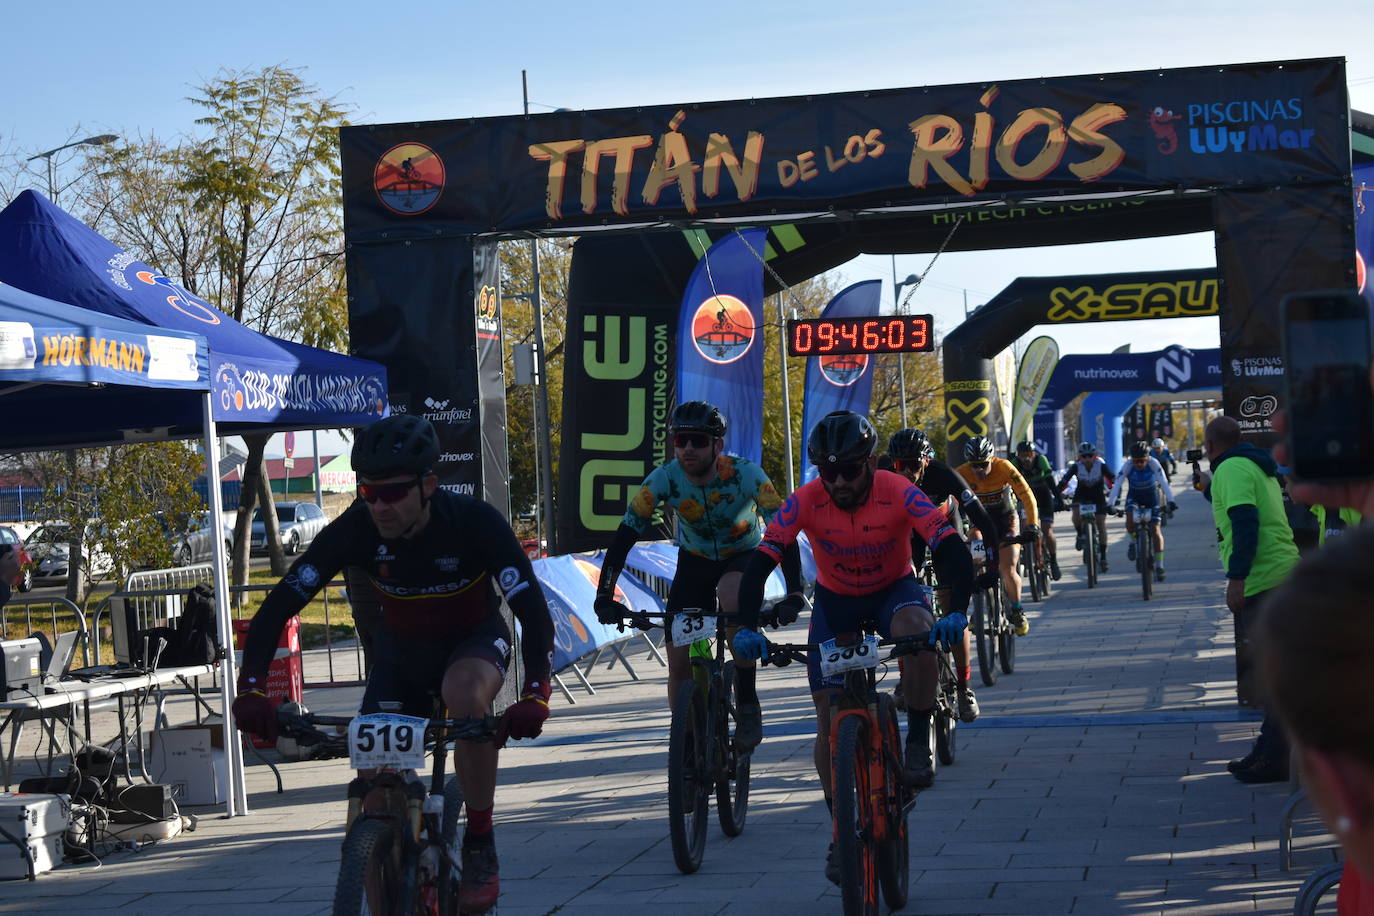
[(910, 445), (841, 436), (401, 444), (1025, 445), (979, 448), (1140, 450), (698, 416), (1086, 448)]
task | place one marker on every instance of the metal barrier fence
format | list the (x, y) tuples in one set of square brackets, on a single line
[(54, 619), (153, 598)]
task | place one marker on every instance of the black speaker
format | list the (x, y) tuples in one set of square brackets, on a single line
[(142, 804)]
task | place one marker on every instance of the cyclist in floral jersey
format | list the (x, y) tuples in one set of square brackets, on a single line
[(722, 502)]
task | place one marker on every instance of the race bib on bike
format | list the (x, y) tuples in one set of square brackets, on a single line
[(685, 629), (839, 659), (386, 740), (978, 552), (1087, 509)]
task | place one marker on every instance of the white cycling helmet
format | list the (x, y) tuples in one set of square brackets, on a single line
[(1157, 443)]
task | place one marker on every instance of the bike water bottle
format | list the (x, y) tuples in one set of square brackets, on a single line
[(415, 799), (701, 657)]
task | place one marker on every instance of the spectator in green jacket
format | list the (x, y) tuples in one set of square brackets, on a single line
[(1258, 553)]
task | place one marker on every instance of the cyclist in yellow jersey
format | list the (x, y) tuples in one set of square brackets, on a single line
[(999, 487)]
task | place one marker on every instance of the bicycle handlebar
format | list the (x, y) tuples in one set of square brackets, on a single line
[(304, 728), (781, 655)]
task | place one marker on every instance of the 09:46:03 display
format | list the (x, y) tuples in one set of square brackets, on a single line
[(837, 336)]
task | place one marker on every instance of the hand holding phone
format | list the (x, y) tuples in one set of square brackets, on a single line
[(1330, 407)]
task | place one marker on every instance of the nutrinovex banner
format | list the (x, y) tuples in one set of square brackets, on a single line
[(720, 338), (1269, 122), (1037, 364), (839, 382)]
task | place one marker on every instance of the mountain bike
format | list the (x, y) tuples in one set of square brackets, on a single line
[(1145, 521), (702, 754), (985, 617), (400, 849), (871, 801)]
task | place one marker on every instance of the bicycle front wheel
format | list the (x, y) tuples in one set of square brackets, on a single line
[(984, 636), (946, 712), (689, 779), (1006, 639), (894, 851), (1090, 551), (1142, 561), (854, 844), (449, 875), (1028, 571), (370, 869), (732, 787)]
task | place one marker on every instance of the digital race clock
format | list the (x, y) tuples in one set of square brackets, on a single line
[(887, 334)]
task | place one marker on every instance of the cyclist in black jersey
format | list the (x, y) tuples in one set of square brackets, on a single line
[(1093, 478), (1035, 467), (914, 458), (441, 563)]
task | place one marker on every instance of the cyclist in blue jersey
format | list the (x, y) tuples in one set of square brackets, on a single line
[(1143, 478), (1159, 451), (722, 503)]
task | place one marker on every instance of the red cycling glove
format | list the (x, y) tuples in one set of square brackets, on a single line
[(526, 718), (253, 711)]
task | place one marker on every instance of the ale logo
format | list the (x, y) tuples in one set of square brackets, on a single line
[(409, 178), (843, 370), (1361, 272), (723, 329)]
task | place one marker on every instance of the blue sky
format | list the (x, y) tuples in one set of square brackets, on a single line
[(80, 68)]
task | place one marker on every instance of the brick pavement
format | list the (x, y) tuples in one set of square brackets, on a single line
[(1094, 783)]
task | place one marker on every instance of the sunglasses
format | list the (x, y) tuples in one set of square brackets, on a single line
[(694, 440), (1141, 461), (907, 464), (979, 465), (849, 470), (386, 492)]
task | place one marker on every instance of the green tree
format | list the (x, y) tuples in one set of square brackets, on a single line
[(136, 495), (245, 212)]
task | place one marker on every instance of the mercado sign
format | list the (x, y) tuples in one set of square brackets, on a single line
[(858, 150)]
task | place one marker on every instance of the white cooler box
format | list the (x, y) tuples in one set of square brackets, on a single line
[(190, 759), (38, 821)]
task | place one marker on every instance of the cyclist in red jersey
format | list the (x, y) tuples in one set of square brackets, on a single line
[(860, 522)]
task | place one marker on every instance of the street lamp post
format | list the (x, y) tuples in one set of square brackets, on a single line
[(98, 140), (911, 280)]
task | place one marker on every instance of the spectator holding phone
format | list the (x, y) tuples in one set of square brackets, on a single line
[(1313, 643), (1258, 552)]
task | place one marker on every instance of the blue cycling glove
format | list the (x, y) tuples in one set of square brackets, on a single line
[(947, 630), (750, 644)]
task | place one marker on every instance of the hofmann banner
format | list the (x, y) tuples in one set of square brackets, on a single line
[(1257, 123), (1037, 364)]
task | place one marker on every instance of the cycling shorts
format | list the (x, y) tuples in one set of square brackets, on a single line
[(1007, 527), (1044, 502), (412, 674), (694, 583), (1097, 497), (834, 613), (1148, 497)]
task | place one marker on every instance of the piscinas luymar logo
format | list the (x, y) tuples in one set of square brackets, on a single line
[(1244, 126), (723, 329), (409, 178)]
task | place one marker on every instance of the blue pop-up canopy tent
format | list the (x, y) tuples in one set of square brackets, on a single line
[(259, 382)]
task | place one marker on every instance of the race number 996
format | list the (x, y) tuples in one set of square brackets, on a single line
[(386, 740), (839, 659)]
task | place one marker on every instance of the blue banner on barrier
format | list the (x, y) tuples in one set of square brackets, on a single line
[(569, 584), (660, 559)]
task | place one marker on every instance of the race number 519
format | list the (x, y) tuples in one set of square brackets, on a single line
[(386, 740)]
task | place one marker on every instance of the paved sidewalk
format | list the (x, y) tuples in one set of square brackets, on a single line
[(1094, 783)]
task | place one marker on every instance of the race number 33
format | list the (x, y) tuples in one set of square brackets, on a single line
[(839, 659), (386, 740), (688, 628)]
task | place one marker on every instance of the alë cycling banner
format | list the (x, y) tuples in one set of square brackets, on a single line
[(720, 338), (1364, 228), (839, 382)]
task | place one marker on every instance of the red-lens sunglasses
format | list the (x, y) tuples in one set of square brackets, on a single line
[(387, 492)]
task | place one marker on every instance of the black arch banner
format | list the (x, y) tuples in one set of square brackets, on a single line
[(1145, 130)]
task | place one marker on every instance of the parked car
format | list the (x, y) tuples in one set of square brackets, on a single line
[(25, 580), (196, 544), (299, 523), (48, 547)]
